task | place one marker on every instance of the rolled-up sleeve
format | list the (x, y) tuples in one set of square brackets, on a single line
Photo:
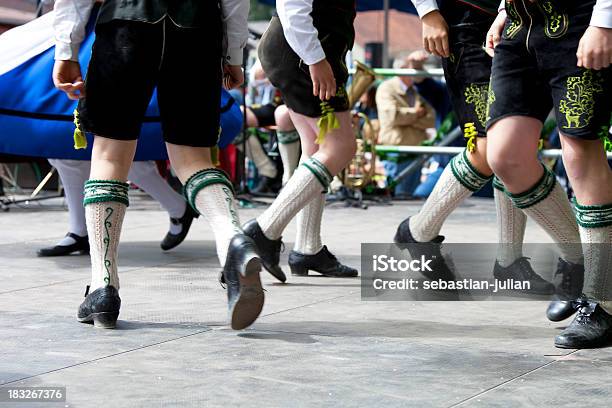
[(425, 7), (69, 23), (299, 29), (602, 14), (236, 21)]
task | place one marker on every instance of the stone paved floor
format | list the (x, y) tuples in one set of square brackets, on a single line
[(316, 344)]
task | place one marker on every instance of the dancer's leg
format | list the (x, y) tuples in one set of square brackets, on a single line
[(288, 142)]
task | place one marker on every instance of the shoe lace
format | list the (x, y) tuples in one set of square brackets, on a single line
[(528, 270), (584, 311)]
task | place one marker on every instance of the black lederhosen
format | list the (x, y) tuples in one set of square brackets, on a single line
[(264, 114), (535, 69), (285, 69), (468, 69), (131, 58)]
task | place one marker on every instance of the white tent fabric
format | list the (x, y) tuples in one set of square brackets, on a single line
[(22, 43)]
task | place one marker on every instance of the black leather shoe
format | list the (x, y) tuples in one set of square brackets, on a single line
[(430, 250), (521, 270), (171, 240), (81, 246), (591, 328), (245, 294), (568, 280), (323, 262), (269, 250), (100, 307)]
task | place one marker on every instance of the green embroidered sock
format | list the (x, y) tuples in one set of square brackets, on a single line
[(289, 149), (547, 204), (105, 204), (210, 193), (595, 222)]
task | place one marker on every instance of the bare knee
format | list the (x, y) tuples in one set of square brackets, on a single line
[(283, 120)]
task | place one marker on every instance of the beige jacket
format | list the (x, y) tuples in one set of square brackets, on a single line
[(399, 123)]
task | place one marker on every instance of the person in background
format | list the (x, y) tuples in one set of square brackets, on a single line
[(74, 174), (404, 117)]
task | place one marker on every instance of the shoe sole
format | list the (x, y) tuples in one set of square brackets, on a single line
[(251, 298), (299, 271), (103, 320)]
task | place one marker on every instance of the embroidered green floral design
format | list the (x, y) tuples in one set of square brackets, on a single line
[(516, 21), (556, 23), (479, 96), (579, 103), (107, 225)]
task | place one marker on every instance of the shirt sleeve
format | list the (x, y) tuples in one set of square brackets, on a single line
[(602, 14), (299, 29), (425, 7), (71, 17), (236, 21)]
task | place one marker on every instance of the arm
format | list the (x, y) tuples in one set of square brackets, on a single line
[(428, 120), (235, 19), (299, 29), (435, 29), (424, 7), (69, 24), (595, 48)]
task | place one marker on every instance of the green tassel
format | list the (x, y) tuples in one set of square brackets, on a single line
[(608, 144), (80, 141), (327, 122), (470, 133)]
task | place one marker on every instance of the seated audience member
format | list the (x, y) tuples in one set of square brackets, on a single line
[(404, 117)]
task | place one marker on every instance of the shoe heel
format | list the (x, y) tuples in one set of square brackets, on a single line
[(106, 320), (297, 270)]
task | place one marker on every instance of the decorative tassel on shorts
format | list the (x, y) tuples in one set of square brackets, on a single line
[(470, 133), (80, 141), (327, 122)]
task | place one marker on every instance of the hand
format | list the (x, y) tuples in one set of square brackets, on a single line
[(595, 48), (421, 111), (233, 76), (67, 77), (323, 80), (435, 34), (495, 32)]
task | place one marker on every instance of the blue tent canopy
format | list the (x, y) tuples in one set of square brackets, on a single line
[(369, 5), (37, 120)]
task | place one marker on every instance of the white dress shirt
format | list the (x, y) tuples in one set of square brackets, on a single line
[(71, 17), (602, 12), (299, 29)]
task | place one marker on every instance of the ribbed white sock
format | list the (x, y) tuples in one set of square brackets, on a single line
[(105, 204), (458, 181), (256, 152), (211, 193), (547, 204), (289, 149), (511, 224), (308, 237), (596, 233), (307, 182)]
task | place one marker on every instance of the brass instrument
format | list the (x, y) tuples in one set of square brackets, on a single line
[(362, 168)]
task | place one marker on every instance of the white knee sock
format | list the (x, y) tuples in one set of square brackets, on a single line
[(308, 237), (210, 192), (256, 152), (308, 182), (547, 204), (596, 233), (511, 224), (105, 204), (74, 174), (289, 149), (458, 181)]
